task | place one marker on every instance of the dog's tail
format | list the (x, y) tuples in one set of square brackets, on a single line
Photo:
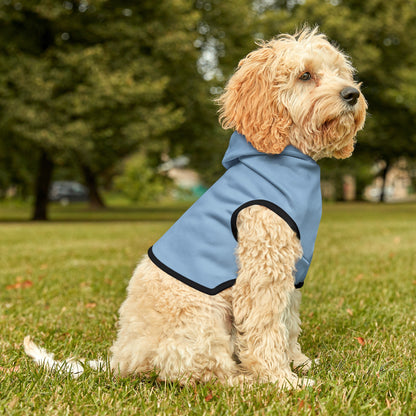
[(72, 366)]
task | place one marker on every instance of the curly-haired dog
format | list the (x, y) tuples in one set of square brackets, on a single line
[(217, 297)]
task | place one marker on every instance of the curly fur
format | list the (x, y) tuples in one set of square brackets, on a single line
[(249, 332), (266, 101)]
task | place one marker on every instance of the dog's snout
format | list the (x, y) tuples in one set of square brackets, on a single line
[(350, 95)]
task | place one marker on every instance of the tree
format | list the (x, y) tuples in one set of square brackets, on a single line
[(88, 83), (79, 82)]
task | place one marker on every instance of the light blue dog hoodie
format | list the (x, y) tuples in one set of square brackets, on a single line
[(199, 249)]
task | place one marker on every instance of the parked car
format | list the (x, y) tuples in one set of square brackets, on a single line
[(68, 191)]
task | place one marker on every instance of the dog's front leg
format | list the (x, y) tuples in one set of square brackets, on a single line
[(267, 253), (299, 360)]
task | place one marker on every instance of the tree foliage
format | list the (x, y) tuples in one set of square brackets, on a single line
[(139, 181), (88, 83), (84, 84)]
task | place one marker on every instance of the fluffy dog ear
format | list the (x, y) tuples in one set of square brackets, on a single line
[(251, 105)]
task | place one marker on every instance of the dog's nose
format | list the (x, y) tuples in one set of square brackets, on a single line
[(350, 95)]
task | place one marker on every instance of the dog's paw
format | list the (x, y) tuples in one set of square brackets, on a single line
[(306, 382), (295, 382), (304, 364)]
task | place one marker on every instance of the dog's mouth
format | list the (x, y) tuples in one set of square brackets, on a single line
[(338, 134), (331, 124), (327, 124), (347, 120)]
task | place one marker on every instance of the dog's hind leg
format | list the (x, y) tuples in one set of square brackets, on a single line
[(198, 345), (173, 329), (267, 253), (141, 323)]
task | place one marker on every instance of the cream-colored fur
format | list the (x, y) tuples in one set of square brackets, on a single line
[(289, 91), (250, 331)]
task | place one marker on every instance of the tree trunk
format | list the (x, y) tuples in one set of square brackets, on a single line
[(384, 177), (42, 185), (90, 178)]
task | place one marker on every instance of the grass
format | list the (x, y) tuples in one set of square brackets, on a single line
[(62, 282)]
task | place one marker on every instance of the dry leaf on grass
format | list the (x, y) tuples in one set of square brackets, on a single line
[(24, 284), (209, 397), (360, 340)]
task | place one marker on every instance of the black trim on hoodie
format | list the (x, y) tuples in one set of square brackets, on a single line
[(191, 283), (276, 209)]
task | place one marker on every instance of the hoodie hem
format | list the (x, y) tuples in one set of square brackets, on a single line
[(189, 282)]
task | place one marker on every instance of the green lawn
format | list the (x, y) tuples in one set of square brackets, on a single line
[(62, 282)]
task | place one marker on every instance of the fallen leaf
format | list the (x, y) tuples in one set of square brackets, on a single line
[(359, 277), (20, 285), (11, 287), (91, 305), (209, 397), (360, 340), (350, 312), (414, 282)]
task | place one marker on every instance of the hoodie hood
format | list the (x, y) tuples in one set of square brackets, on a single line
[(239, 149)]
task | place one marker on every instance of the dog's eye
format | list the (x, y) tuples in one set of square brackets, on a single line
[(306, 76)]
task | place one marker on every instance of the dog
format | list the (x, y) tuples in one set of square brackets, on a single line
[(217, 297)]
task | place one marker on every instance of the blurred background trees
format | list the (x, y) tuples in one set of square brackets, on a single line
[(89, 90)]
